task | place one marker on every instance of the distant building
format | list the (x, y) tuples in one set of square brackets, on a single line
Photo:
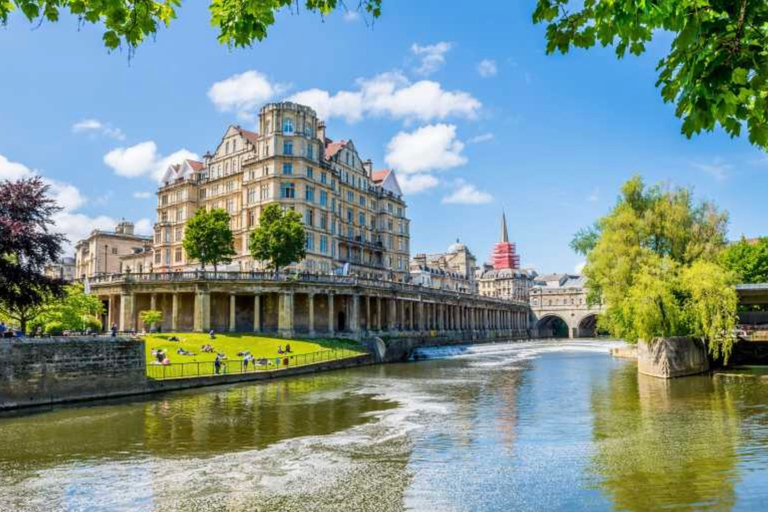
[(451, 270), (559, 303), (504, 279), (62, 269), (101, 252)]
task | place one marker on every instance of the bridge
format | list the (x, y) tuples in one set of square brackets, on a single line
[(560, 308)]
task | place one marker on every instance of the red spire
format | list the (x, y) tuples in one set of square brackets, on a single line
[(505, 253)]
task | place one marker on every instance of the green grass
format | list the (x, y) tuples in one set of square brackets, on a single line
[(231, 344)]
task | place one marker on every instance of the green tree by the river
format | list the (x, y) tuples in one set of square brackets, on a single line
[(280, 238), (208, 238), (653, 261), (748, 259)]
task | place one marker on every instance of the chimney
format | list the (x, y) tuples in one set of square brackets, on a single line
[(124, 228), (368, 166), (321, 131)]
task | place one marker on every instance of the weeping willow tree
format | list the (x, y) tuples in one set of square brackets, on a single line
[(653, 262)]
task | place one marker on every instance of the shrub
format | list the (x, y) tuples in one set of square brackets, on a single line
[(54, 328), (92, 322)]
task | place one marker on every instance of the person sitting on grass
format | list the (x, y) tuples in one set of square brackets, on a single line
[(212, 334), (288, 348), (280, 349), (208, 348)]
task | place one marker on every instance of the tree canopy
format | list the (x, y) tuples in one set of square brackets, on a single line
[(75, 310), (748, 260), (130, 22), (280, 238), (716, 71), (208, 238), (27, 245), (653, 262)]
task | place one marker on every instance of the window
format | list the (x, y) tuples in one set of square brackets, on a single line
[(288, 148), (309, 195), (323, 198), (323, 221), (230, 206), (288, 125), (310, 172), (323, 178), (309, 217), (251, 195), (178, 234), (399, 211), (323, 244), (177, 257), (361, 218), (350, 215), (350, 197), (264, 192), (287, 168), (310, 241), (311, 151), (114, 250), (362, 200), (226, 148), (234, 145), (287, 190)]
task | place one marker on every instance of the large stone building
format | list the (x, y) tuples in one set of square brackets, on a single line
[(559, 303), (505, 279), (102, 251), (451, 270), (63, 269), (355, 218)]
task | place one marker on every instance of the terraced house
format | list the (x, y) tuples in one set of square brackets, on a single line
[(355, 217)]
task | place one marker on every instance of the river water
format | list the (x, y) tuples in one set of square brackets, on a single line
[(519, 426)]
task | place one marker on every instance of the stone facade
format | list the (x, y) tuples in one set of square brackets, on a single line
[(355, 218), (44, 371), (306, 305), (102, 251), (64, 269), (563, 297), (668, 358), (451, 270)]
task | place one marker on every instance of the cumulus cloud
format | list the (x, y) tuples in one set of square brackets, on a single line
[(484, 137), (13, 170), (143, 159), (487, 68), (142, 195), (466, 193), (391, 95), (143, 227), (351, 15), (96, 127), (416, 183), (579, 267), (431, 57), (244, 93), (429, 148), (594, 196)]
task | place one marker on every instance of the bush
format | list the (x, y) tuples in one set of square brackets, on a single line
[(93, 323), (54, 328)]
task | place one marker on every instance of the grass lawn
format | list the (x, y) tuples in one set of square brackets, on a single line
[(231, 344)]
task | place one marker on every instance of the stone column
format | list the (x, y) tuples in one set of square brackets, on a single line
[(331, 316), (111, 317), (379, 322), (257, 313), (368, 313), (285, 314), (440, 317), (153, 302), (127, 312), (400, 321), (175, 312), (392, 306), (232, 315), (411, 314), (354, 320), (421, 315), (202, 321), (311, 304)]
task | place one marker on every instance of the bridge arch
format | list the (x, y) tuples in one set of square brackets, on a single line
[(587, 327), (552, 325)]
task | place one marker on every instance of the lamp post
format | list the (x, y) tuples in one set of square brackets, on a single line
[(106, 247)]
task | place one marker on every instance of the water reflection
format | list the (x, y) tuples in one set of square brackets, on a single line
[(663, 444)]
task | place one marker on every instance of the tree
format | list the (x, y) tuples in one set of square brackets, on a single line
[(653, 262), (748, 260), (150, 318), (75, 310), (130, 22), (715, 71), (208, 238), (280, 238), (27, 245)]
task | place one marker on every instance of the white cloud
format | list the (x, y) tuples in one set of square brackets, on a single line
[(579, 267), (142, 195), (717, 169), (143, 159), (484, 137), (594, 196), (416, 183), (391, 95), (144, 227), (466, 193), (67, 196), (432, 56), (487, 68), (96, 127), (244, 93), (13, 170), (429, 148), (77, 226)]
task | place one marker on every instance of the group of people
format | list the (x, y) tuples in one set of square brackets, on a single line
[(6, 331), (161, 356), (286, 351)]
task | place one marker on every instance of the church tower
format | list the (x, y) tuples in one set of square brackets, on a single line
[(505, 253)]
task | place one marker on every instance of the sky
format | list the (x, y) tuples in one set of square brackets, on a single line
[(463, 103)]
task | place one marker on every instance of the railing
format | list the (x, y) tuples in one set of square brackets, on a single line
[(238, 366), (289, 277)]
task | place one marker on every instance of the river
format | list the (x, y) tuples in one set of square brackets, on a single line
[(555, 425)]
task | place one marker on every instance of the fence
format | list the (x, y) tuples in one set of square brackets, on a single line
[(238, 366)]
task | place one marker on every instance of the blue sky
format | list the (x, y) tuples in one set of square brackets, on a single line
[(462, 101)]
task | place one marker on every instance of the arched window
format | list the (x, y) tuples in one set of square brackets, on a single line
[(287, 125)]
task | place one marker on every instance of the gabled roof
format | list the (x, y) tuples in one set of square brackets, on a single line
[(250, 136), (332, 148), (182, 170), (387, 180), (379, 176)]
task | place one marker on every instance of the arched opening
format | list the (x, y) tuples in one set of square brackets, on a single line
[(341, 324), (588, 327), (552, 326)]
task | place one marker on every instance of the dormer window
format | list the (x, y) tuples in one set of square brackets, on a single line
[(288, 125)]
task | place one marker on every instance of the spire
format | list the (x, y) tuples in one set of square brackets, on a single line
[(504, 234)]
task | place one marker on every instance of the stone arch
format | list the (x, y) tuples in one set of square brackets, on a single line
[(587, 326), (552, 325)]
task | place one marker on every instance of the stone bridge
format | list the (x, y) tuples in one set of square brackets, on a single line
[(562, 312)]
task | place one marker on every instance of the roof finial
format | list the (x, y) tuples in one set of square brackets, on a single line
[(504, 234)]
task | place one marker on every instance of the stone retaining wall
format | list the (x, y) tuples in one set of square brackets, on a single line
[(672, 357)]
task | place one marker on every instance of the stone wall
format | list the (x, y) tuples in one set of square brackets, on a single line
[(52, 370), (668, 358)]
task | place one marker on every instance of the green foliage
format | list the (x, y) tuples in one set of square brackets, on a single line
[(54, 328), (653, 262), (92, 322), (130, 22), (75, 311), (716, 71), (208, 238), (150, 318), (748, 260), (280, 238)]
